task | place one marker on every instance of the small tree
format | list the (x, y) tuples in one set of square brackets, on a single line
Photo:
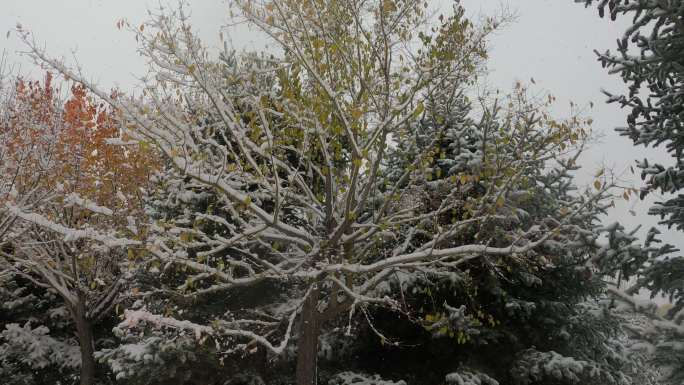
[(57, 173)]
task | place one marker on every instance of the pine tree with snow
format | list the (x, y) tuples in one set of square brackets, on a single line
[(536, 316), (650, 60), (36, 342), (181, 209)]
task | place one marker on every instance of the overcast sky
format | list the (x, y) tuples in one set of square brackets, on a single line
[(551, 41)]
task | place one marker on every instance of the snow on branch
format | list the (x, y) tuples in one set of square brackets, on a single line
[(69, 233), (133, 317), (647, 308), (75, 199)]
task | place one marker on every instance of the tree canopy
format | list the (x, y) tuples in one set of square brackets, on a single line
[(344, 209)]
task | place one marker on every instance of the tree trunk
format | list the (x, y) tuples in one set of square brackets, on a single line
[(86, 341), (307, 346)]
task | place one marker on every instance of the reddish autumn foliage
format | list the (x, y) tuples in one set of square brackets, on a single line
[(28, 133), (53, 144)]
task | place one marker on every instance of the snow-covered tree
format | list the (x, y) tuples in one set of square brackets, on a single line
[(37, 344), (57, 172), (298, 211), (28, 354), (529, 315), (650, 60)]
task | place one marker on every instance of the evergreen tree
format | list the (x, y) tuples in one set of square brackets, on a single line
[(650, 60), (536, 316), (36, 343)]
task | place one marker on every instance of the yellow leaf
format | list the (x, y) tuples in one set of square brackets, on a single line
[(597, 184), (419, 109), (318, 43), (356, 113), (388, 6)]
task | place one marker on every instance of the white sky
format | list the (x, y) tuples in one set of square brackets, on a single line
[(552, 41)]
